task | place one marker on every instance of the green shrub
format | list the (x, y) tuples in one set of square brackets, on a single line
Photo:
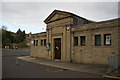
[(22, 44)]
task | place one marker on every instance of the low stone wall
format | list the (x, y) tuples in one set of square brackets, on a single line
[(15, 52)]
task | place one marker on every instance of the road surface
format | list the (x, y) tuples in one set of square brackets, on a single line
[(32, 70)]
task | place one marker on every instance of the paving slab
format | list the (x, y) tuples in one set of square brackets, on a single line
[(89, 68), (111, 77)]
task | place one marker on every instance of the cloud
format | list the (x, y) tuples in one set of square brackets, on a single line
[(60, 0), (32, 14)]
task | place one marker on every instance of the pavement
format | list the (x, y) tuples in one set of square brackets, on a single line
[(88, 68)]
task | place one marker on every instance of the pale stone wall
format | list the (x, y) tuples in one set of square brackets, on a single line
[(91, 53), (56, 16), (81, 54), (39, 51), (62, 22), (119, 37), (58, 29)]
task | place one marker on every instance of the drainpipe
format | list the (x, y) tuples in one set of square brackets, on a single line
[(48, 38), (70, 45), (50, 30)]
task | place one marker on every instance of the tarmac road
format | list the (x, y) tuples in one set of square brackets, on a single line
[(32, 70)]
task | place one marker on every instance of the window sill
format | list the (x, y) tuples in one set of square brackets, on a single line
[(107, 45), (76, 46), (82, 45)]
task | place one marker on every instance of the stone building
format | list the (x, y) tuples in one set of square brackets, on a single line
[(72, 38), (28, 39)]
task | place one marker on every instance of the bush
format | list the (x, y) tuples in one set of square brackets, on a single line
[(22, 44)]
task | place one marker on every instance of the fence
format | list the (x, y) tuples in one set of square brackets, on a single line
[(114, 63)]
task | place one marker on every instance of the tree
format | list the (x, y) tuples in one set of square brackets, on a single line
[(12, 39), (7, 42), (20, 36), (8, 34), (24, 34), (6, 38), (4, 27)]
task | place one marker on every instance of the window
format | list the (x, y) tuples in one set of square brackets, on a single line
[(98, 40), (41, 42), (36, 42), (82, 40), (107, 39), (27, 35), (75, 41), (44, 42)]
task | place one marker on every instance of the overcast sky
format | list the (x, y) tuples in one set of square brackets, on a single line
[(29, 16)]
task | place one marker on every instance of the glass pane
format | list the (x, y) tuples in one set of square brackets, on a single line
[(41, 42), (75, 41), (34, 42), (44, 42), (97, 40), (107, 39), (82, 40)]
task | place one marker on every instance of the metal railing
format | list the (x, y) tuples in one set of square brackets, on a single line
[(114, 63)]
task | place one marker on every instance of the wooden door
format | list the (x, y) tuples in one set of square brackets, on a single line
[(57, 49)]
